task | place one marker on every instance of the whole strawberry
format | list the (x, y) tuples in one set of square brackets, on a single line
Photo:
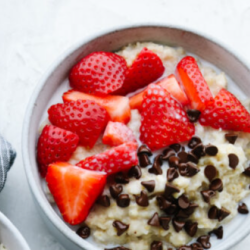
[(55, 144), (163, 120), (84, 117)]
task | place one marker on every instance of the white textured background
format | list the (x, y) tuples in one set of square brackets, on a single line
[(34, 32)]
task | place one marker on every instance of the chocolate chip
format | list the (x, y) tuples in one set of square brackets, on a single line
[(247, 171), (233, 161), (163, 203), (210, 172), (143, 149), (190, 209), (183, 157), (123, 200), (104, 201), (167, 153), (144, 160), (181, 214), (118, 248), (156, 168), (171, 210), (176, 147), (173, 161), (183, 202), (204, 241), (213, 213), (142, 200), (231, 138), (242, 208), (195, 140), (178, 225), (191, 228), (192, 158), (218, 232), (156, 245), (135, 172), (149, 185), (185, 248), (192, 169), (199, 150), (164, 221), (154, 221), (115, 190), (121, 178), (207, 195), (83, 232), (172, 174), (196, 246), (193, 115), (169, 190), (120, 227), (216, 185), (223, 213), (211, 150)]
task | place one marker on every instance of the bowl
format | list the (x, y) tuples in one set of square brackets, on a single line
[(113, 40), (10, 237)]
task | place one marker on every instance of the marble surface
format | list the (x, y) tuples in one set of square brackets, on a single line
[(32, 35)]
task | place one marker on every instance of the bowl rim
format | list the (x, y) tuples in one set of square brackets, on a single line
[(66, 231)]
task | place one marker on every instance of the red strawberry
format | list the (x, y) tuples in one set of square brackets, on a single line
[(83, 117), (98, 73), (146, 68), (194, 83), (163, 120), (109, 102), (55, 144), (74, 189), (120, 158), (226, 112), (117, 133)]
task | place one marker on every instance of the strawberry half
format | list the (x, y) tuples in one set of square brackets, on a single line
[(74, 189), (163, 120), (98, 73), (146, 68), (109, 102), (120, 158), (117, 133), (226, 112), (55, 144), (83, 117), (194, 83)]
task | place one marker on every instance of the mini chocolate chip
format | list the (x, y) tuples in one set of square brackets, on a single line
[(183, 202), (115, 190), (178, 225), (204, 241), (199, 150), (192, 158), (142, 200), (210, 172), (120, 227), (118, 248), (231, 138), (176, 147), (181, 214), (144, 160), (216, 185), (213, 213), (135, 172), (156, 245), (143, 149), (242, 208), (223, 213), (167, 153), (169, 190), (164, 221), (218, 232), (173, 161), (83, 232), (163, 203), (104, 201), (193, 115), (156, 168), (121, 178), (207, 195), (191, 228), (172, 174), (196, 246), (183, 157), (190, 209), (195, 140), (192, 169), (154, 220), (149, 185), (233, 160), (247, 171), (211, 150), (171, 210), (185, 248), (123, 200)]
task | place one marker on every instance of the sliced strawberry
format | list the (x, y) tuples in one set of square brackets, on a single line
[(193, 83), (55, 144), (226, 112), (146, 68), (99, 73), (83, 117), (164, 121), (120, 158), (116, 106), (117, 133), (168, 83), (74, 189)]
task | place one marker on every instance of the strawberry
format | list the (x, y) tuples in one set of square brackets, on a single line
[(120, 158), (109, 102), (168, 83), (193, 83), (117, 133), (55, 144), (83, 117), (74, 189), (146, 68), (98, 73), (226, 112), (163, 120)]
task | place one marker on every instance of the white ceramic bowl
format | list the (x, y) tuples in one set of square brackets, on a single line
[(112, 41), (10, 237)]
